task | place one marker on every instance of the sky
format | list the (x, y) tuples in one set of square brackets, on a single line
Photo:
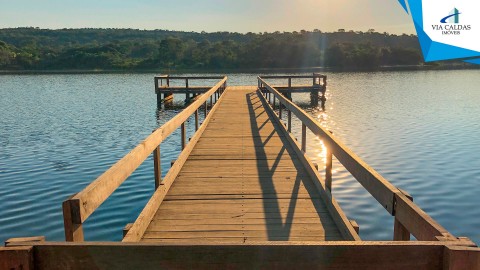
[(209, 15)]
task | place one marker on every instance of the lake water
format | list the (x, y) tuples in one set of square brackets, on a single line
[(420, 130)]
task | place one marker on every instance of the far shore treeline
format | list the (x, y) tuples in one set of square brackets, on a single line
[(129, 49)]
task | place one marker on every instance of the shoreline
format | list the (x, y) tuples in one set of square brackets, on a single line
[(241, 70)]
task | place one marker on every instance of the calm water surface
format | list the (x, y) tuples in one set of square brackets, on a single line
[(420, 130)]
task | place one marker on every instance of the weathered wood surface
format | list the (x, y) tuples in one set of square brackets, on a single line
[(259, 255), (242, 182)]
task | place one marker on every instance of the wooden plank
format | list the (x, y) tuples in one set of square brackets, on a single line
[(239, 255), (235, 215), (161, 221), (314, 235), (16, 240), (252, 195), (16, 258), (289, 229), (135, 233)]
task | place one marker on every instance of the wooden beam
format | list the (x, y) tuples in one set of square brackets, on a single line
[(400, 233), (289, 121), (71, 220), (16, 258), (127, 228), (459, 258), (157, 166), (184, 135), (262, 255), (196, 120), (17, 240), (304, 138), (355, 226)]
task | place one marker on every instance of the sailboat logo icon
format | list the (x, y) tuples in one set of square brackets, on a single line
[(453, 17)]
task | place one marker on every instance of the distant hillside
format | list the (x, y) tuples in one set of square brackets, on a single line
[(132, 49)]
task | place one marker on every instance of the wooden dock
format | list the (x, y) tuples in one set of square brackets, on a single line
[(242, 182), (243, 194)]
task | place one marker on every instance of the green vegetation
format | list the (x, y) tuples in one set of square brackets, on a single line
[(129, 49)]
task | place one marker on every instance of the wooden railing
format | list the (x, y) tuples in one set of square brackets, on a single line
[(409, 218), (164, 80), (80, 206), (318, 79)]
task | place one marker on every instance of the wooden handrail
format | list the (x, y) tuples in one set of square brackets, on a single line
[(418, 223), (321, 78), (80, 206), (190, 77)]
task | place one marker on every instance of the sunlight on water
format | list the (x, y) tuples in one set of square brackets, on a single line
[(420, 130)]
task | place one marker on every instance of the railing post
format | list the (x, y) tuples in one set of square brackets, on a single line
[(196, 119), (157, 166), (186, 83), (206, 108), (328, 169), (73, 229), (304, 137), (211, 101), (184, 136), (400, 232), (274, 102), (289, 121), (280, 109)]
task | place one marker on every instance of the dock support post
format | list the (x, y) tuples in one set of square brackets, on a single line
[(400, 232), (196, 119), (314, 97), (184, 136), (304, 137), (159, 95), (289, 121), (157, 166)]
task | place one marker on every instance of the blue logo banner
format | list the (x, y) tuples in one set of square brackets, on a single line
[(446, 29)]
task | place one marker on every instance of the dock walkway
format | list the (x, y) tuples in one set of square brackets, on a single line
[(242, 182)]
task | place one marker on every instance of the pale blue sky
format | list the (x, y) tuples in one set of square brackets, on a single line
[(209, 15)]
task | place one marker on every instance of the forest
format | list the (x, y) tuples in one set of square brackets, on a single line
[(135, 50)]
